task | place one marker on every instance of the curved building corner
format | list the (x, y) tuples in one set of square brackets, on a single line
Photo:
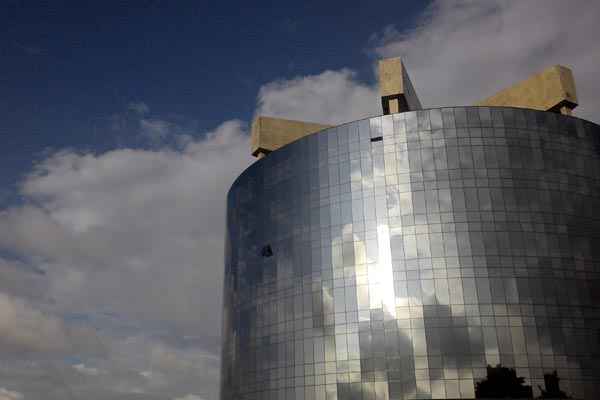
[(403, 256)]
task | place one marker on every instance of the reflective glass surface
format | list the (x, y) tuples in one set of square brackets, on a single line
[(402, 268)]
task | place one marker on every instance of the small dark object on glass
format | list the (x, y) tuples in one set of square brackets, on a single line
[(266, 251)]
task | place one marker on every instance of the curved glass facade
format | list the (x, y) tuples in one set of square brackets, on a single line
[(397, 257)]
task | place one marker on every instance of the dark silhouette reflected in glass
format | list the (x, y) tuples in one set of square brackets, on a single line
[(552, 387), (502, 383), (266, 251)]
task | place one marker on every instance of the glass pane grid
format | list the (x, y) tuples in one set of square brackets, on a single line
[(403, 268)]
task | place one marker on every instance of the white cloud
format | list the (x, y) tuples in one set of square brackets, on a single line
[(462, 51), (155, 130), (20, 279), (29, 329), (169, 359), (331, 97), (82, 368), (24, 328), (189, 397), (138, 233), (153, 219), (6, 394), (146, 374)]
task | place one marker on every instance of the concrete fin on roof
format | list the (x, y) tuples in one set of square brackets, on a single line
[(552, 89), (395, 87), (269, 133)]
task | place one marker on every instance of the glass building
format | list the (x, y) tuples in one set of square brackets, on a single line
[(421, 254)]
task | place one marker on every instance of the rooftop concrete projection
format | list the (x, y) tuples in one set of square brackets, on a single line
[(553, 89), (269, 133), (396, 90)]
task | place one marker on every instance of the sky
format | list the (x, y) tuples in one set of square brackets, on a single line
[(123, 127)]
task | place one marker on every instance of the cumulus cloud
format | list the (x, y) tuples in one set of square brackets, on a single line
[(24, 328), (136, 232), (153, 219), (21, 279), (189, 397), (82, 368), (462, 51), (155, 130), (30, 329), (331, 97), (6, 394)]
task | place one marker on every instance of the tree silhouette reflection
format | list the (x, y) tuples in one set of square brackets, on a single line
[(503, 383), (552, 387)]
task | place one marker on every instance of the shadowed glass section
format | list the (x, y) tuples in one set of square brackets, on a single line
[(402, 267)]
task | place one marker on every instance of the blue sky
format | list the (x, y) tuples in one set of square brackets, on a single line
[(123, 126), (67, 66)]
